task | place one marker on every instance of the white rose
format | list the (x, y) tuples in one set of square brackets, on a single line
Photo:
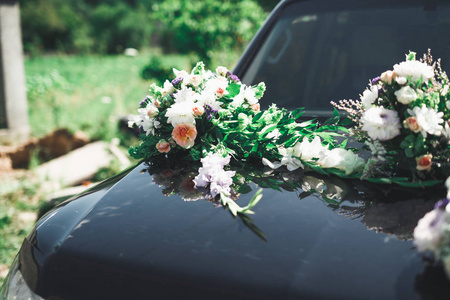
[(401, 80), (195, 80), (406, 95), (222, 71), (342, 159), (309, 150)]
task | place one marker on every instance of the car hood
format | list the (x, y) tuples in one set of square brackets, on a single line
[(140, 235)]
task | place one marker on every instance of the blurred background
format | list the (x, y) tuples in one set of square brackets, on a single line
[(88, 63)]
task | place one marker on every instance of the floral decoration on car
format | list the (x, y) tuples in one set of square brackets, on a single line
[(215, 118), (403, 119)]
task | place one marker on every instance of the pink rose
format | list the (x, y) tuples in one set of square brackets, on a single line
[(424, 162), (255, 107), (388, 76), (220, 92), (163, 146), (184, 134), (411, 124), (198, 110), (152, 111)]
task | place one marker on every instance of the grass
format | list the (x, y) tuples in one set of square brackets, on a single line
[(20, 199), (87, 93), (90, 93)]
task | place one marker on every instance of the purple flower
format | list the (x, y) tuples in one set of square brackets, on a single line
[(177, 81), (441, 204), (234, 78), (229, 73), (376, 79), (209, 111), (144, 102)]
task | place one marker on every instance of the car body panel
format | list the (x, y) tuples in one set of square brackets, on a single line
[(133, 241)]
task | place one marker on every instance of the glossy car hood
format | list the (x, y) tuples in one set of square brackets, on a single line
[(125, 239)]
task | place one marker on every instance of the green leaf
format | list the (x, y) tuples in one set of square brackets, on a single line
[(334, 119), (199, 68), (306, 123), (409, 152), (298, 113), (411, 55), (419, 146), (379, 180), (233, 90), (195, 154), (243, 189), (257, 117), (347, 122), (408, 141)]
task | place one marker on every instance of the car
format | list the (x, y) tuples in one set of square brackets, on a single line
[(146, 234)]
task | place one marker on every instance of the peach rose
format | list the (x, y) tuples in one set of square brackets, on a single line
[(152, 111), (424, 162), (388, 76), (255, 107), (411, 124), (198, 110), (220, 92), (184, 134), (163, 146)]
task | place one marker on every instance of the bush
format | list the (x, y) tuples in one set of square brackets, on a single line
[(84, 26), (155, 70), (209, 25), (51, 25), (119, 26)]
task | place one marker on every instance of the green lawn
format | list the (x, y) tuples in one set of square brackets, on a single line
[(86, 93)]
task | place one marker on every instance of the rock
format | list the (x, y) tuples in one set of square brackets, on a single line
[(4, 269), (5, 163), (60, 142), (76, 166), (55, 144), (27, 218), (131, 52)]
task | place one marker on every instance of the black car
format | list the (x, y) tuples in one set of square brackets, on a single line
[(141, 235)]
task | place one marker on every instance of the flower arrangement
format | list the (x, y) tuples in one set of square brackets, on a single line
[(214, 117), (403, 118), (182, 115)]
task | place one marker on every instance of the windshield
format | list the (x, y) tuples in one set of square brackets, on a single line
[(316, 53)]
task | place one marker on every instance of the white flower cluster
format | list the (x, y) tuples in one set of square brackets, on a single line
[(314, 151), (383, 123), (146, 119), (191, 93), (212, 173), (414, 69), (433, 231)]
